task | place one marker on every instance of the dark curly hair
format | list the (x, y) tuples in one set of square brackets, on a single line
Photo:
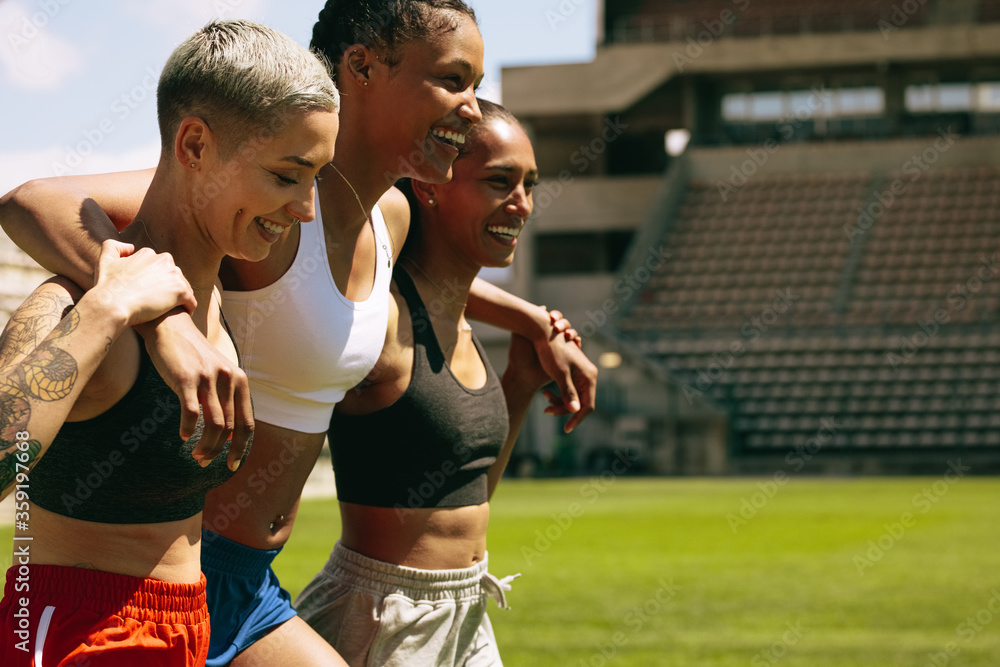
[(380, 24)]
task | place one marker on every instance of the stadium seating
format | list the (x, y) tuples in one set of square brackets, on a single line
[(783, 304)]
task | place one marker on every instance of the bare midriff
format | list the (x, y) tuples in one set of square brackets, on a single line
[(168, 551), (257, 507), (429, 539)]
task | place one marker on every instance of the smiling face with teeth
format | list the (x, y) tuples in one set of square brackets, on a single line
[(481, 212), (265, 186), (422, 109)]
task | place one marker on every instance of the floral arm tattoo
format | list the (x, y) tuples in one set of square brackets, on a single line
[(32, 369)]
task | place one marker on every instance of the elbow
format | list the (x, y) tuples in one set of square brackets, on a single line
[(18, 201)]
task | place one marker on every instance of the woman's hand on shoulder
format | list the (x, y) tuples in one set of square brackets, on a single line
[(140, 285)]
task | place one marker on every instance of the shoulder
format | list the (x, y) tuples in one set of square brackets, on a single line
[(36, 318), (48, 303), (396, 212)]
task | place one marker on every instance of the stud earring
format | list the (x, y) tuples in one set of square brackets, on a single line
[(239, 211), (193, 165), (431, 202), (366, 84)]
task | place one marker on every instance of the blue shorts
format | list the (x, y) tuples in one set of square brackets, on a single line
[(245, 601)]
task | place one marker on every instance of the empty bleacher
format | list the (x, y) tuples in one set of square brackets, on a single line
[(925, 251), (858, 347), (733, 252)]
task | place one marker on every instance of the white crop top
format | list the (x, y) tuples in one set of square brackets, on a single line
[(304, 344)]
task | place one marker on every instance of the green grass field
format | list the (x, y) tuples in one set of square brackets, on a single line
[(651, 572)]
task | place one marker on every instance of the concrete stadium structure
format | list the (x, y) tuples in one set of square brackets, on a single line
[(809, 285)]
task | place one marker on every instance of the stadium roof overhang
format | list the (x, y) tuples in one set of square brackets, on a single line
[(623, 74)]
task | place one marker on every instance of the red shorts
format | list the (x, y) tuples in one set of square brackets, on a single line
[(56, 616)]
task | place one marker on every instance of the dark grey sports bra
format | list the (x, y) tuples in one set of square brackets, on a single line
[(128, 464), (434, 446)]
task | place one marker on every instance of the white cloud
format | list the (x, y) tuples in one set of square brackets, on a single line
[(32, 57)]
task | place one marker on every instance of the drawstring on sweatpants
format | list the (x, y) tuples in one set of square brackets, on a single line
[(495, 588)]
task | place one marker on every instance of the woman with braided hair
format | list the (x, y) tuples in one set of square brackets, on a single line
[(420, 446), (311, 318), (116, 492)]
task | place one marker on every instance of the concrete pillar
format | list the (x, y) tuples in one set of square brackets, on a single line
[(894, 88), (703, 109)]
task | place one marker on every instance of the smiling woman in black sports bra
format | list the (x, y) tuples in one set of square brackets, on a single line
[(109, 569), (419, 447)]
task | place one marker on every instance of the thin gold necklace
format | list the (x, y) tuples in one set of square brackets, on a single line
[(153, 243), (368, 219), (463, 325)]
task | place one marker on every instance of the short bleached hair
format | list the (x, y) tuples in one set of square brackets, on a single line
[(241, 78)]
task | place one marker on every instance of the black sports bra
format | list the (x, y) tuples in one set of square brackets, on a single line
[(128, 464), (434, 446)]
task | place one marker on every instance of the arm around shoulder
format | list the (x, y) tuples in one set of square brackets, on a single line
[(61, 222), (521, 380), (561, 358), (56, 340)]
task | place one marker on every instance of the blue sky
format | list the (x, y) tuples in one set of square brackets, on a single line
[(79, 82)]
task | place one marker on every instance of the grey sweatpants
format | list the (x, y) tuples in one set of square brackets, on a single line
[(378, 614)]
